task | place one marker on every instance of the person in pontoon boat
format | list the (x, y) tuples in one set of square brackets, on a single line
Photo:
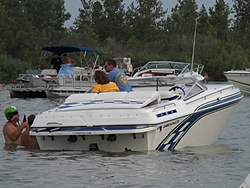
[(68, 60), (67, 70), (95, 65), (117, 75), (103, 83), (56, 62)]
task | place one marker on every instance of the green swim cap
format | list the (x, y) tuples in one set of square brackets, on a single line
[(9, 111)]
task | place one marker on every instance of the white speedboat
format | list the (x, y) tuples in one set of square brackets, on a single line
[(187, 113), (240, 78), (165, 68)]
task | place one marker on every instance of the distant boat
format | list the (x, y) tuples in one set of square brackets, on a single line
[(151, 74), (240, 78), (35, 83)]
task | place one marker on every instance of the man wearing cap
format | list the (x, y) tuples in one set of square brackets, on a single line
[(56, 62), (11, 130)]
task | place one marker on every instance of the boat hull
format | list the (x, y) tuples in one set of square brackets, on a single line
[(241, 79), (28, 93), (198, 129)]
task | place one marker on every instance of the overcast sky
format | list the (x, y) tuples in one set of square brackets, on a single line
[(72, 6)]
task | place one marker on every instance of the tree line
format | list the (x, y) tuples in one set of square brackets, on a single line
[(142, 30)]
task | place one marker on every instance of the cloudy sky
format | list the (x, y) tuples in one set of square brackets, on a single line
[(73, 5)]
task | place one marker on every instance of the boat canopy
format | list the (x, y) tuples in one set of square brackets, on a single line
[(64, 49)]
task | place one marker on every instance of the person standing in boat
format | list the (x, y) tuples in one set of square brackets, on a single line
[(12, 131), (68, 60), (117, 76), (56, 62), (103, 83)]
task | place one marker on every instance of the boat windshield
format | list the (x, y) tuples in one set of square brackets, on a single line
[(191, 85)]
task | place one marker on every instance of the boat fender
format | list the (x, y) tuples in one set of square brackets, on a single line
[(111, 138), (72, 138)]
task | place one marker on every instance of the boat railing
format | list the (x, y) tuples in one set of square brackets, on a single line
[(71, 81), (214, 93)]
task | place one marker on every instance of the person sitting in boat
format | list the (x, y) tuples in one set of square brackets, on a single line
[(56, 62), (117, 75), (12, 131), (103, 83), (95, 65), (120, 66), (67, 69)]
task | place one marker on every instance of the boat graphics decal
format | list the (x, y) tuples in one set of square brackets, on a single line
[(166, 113), (175, 136), (221, 101), (73, 104)]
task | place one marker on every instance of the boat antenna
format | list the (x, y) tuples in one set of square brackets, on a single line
[(192, 64)]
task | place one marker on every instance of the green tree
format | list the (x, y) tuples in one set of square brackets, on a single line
[(182, 19), (47, 18), (219, 19), (114, 13), (242, 23), (33, 24), (145, 20), (204, 27)]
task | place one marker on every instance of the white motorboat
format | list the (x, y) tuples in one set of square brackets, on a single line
[(185, 113), (165, 68), (240, 78), (153, 74)]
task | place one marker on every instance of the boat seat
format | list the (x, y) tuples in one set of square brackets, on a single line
[(49, 72), (138, 99)]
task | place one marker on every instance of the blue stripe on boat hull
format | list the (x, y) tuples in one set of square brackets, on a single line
[(184, 126)]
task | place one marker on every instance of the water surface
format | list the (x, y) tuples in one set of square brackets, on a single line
[(224, 164)]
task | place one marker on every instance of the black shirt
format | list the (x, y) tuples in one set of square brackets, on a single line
[(56, 62)]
